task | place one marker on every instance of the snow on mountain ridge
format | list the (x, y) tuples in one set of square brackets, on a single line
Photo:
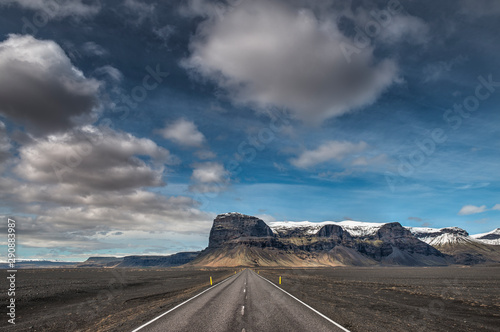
[(441, 236), (492, 237), (354, 228)]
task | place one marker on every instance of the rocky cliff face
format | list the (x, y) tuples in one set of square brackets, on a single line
[(232, 228), (237, 239)]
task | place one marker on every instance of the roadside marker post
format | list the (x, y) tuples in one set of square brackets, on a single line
[(280, 280), (210, 281)]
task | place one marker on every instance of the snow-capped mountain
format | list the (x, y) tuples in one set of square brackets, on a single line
[(492, 237), (441, 236), (237, 239)]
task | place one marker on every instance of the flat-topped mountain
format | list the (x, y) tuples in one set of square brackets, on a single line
[(237, 239), (233, 228)]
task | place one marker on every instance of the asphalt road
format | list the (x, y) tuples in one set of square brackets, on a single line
[(245, 302)]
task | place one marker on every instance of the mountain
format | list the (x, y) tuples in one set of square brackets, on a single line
[(177, 259), (457, 243), (237, 239), (492, 237)]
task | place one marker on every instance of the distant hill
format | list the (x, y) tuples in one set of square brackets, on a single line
[(242, 240), (39, 264), (180, 258)]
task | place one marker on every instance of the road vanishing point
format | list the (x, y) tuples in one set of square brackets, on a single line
[(245, 302)]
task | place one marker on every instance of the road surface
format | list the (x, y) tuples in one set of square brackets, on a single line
[(245, 302)]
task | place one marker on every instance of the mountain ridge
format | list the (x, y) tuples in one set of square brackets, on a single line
[(238, 239)]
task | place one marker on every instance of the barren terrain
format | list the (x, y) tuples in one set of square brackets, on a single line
[(361, 299)]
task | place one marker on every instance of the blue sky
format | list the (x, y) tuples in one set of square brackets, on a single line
[(127, 126)]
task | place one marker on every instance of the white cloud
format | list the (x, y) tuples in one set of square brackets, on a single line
[(59, 9), (337, 150), (92, 158), (272, 53), (183, 132), (209, 172), (40, 88), (496, 207), (471, 209), (209, 177)]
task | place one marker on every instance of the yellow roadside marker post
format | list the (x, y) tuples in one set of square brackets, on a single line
[(280, 280), (210, 281)]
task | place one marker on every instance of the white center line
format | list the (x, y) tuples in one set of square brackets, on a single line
[(244, 290), (242, 310)]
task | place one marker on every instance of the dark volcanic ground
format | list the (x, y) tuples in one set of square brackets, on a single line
[(399, 298), (88, 299), (361, 299)]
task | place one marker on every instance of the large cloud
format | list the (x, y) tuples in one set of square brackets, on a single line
[(40, 88), (65, 221), (93, 159), (271, 53), (76, 189)]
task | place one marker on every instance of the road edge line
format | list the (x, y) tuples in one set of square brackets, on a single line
[(316, 311), (177, 306)]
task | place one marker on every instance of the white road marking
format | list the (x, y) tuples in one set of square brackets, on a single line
[(316, 311), (243, 330), (244, 291), (243, 310), (177, 306)]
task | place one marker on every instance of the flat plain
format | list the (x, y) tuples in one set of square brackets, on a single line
[(361, 299)]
